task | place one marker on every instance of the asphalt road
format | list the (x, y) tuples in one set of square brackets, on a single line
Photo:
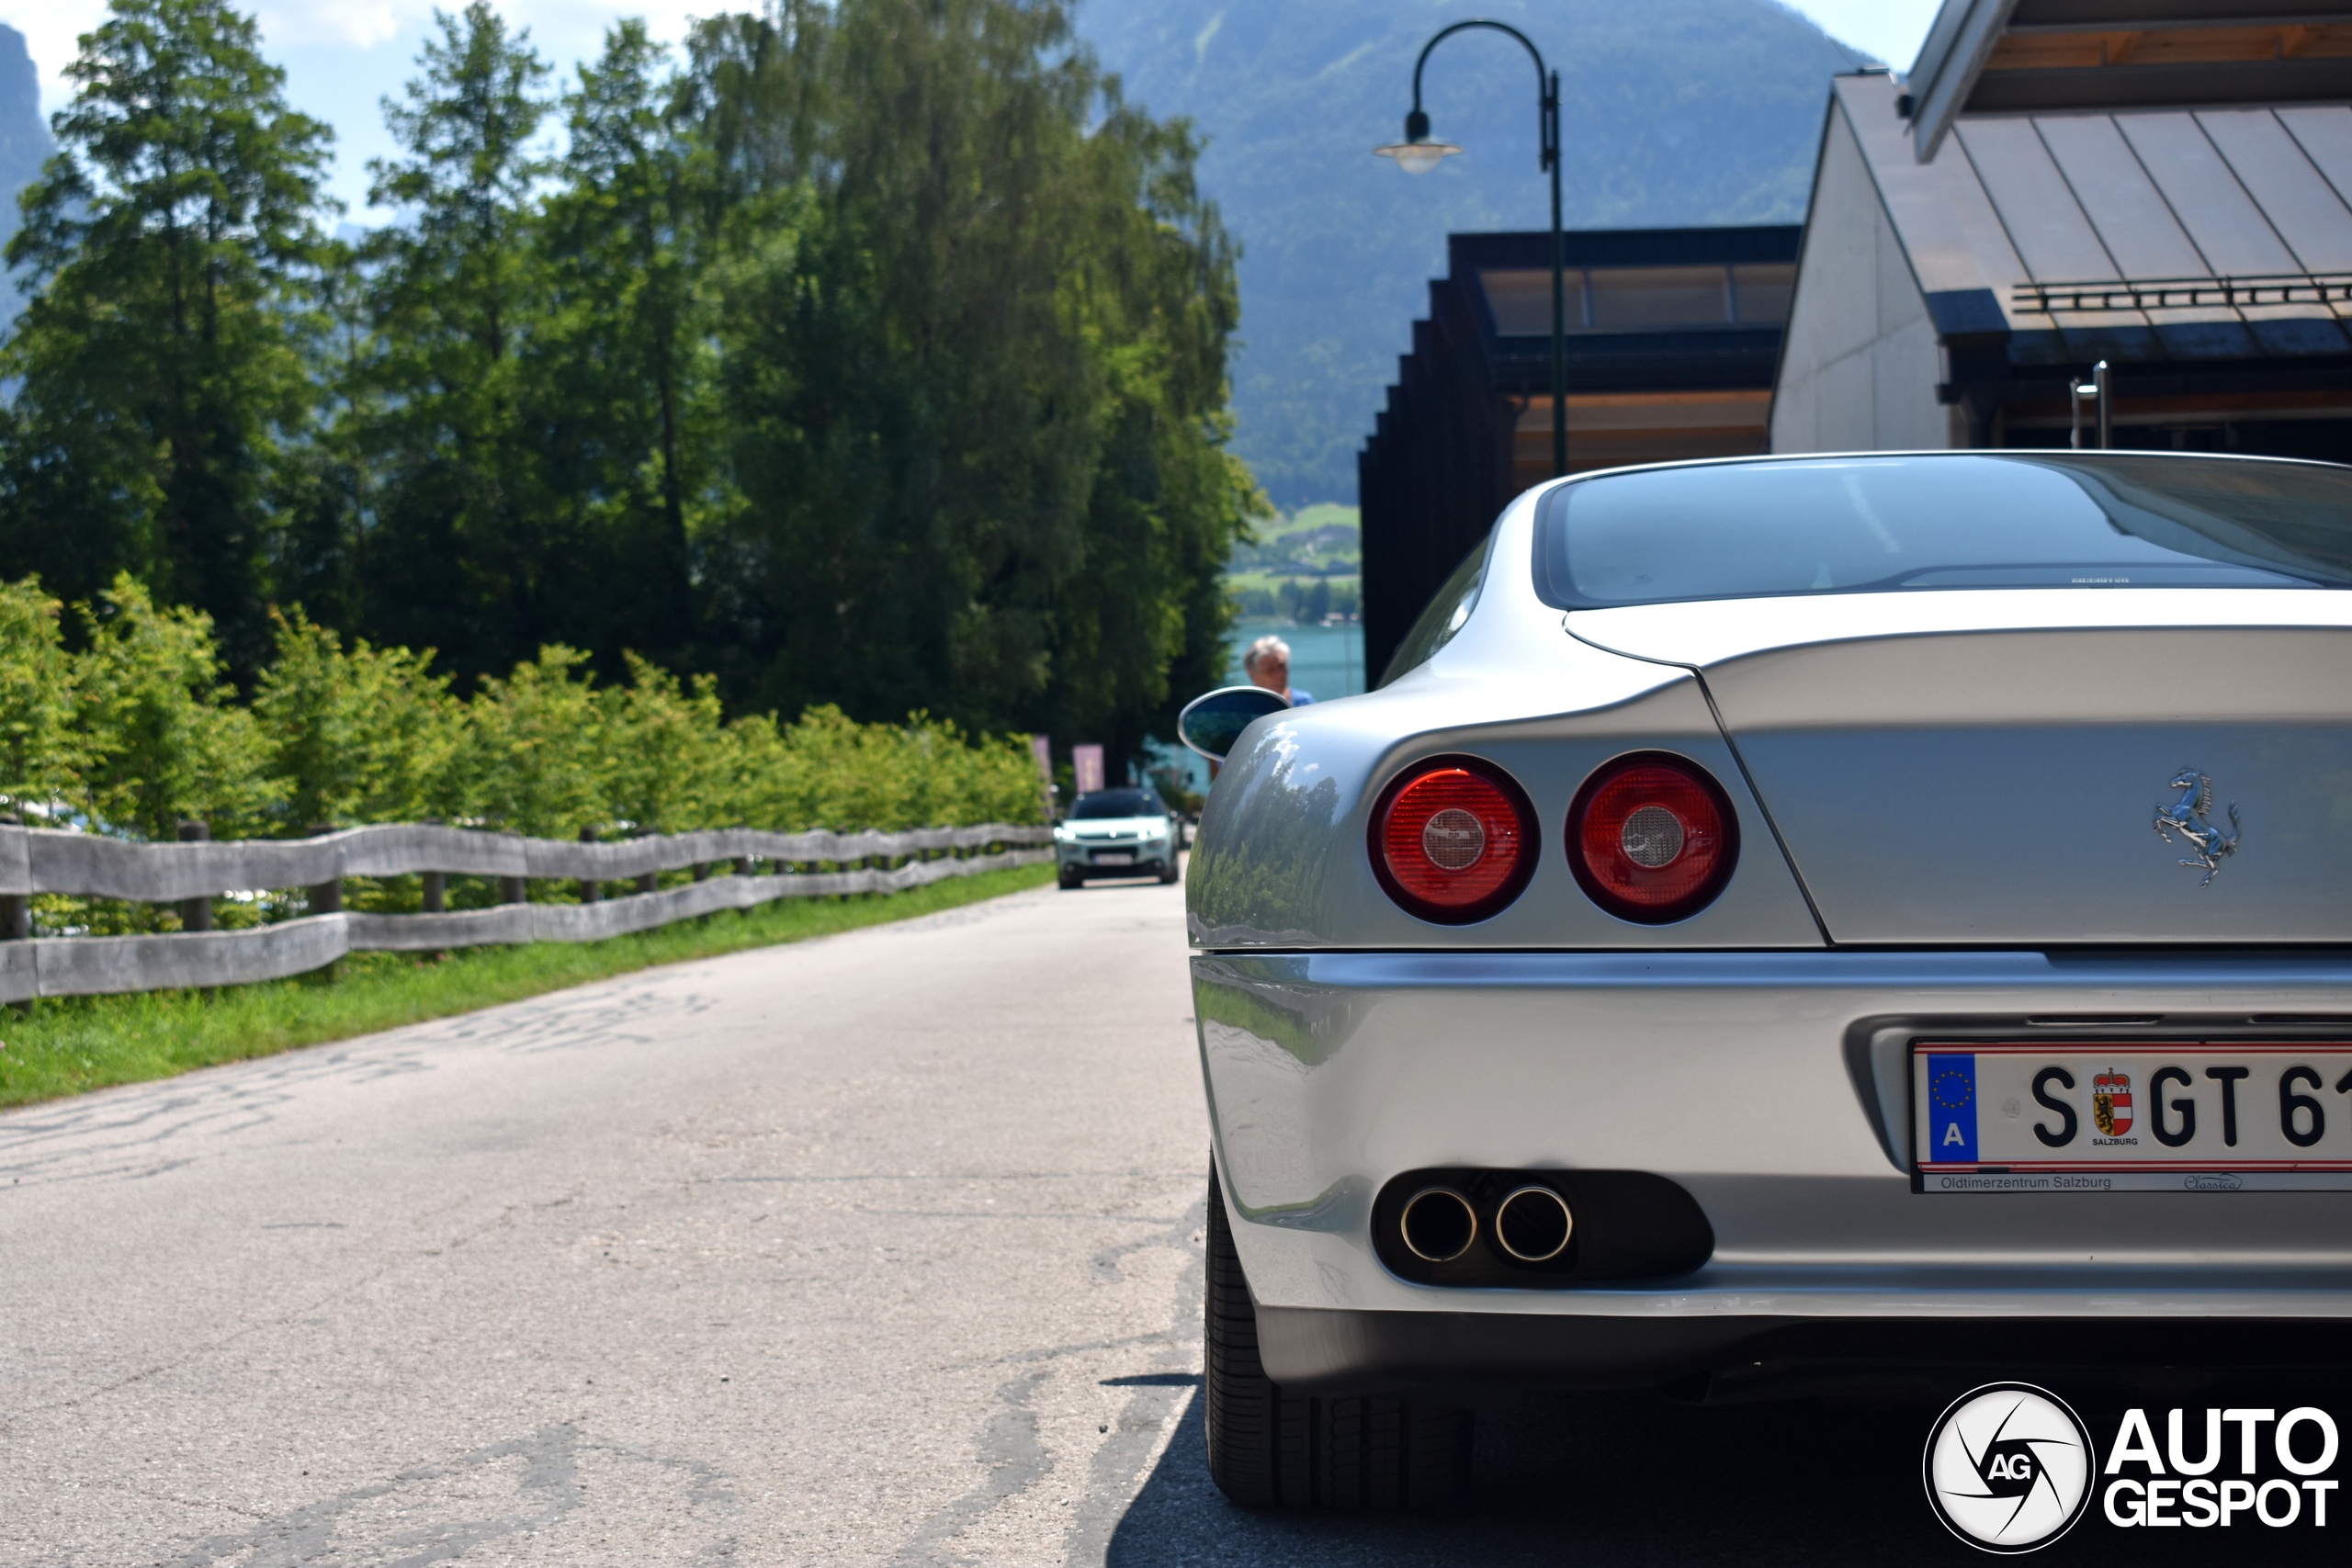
[(879, 1249)]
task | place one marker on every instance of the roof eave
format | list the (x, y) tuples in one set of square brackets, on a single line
[(1957, 48)]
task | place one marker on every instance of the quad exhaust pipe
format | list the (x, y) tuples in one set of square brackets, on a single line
[(1533, 1223), (1438, 1225), (1536, 1228)]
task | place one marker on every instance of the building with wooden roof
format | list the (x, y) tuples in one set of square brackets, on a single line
[(2164, 186)]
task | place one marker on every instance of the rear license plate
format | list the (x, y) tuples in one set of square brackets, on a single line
[(1114, 857), (2021, 1117)]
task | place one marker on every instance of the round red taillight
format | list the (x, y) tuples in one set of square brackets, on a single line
[(1453, 839), (1652, 838)]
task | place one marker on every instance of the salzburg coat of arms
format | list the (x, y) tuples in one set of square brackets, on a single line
[(2111, 1103)]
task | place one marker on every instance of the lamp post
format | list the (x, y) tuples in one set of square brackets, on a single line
[(1417, 154)]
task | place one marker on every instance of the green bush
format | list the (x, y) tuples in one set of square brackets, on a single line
[(138, 730), (368, 736), (42, 749), (165, 740)]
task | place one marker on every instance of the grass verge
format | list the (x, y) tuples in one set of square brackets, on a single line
[(73, 1043)]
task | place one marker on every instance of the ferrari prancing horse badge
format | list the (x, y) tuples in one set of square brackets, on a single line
[(2208, 847)]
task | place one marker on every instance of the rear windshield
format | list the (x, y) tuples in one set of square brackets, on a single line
[(1447, 613), (1972, 520), (1119, 803)]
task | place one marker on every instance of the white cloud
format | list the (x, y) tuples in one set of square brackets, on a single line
[(361, 27), (1891, 29), (49, 32), (341, 60), (565, 30)]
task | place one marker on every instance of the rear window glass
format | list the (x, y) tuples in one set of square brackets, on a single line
[(1972, 520), (1119, 803), (1446, 613)]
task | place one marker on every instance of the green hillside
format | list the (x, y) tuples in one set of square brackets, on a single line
[(1302, 567), (1674, 112)]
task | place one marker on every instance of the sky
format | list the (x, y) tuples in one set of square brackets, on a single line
[(343, 56)]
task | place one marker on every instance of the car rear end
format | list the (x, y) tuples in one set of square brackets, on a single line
[(1942, 957)]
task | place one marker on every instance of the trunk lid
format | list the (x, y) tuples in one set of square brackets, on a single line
[(1991, 768)]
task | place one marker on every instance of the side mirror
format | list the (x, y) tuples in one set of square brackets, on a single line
[(1211, 724)]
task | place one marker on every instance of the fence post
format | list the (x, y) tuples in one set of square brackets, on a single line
[(327, 898), (195, 914), (514, 889), (589, 890), (16, 908), (17, 922), (702, 870), (433, 886), (648, 880), (436, 882)]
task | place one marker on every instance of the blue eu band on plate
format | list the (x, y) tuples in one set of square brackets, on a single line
[(1951, 1109)]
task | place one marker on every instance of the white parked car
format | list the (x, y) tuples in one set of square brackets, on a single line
[(1780, 919), (1118, 832)]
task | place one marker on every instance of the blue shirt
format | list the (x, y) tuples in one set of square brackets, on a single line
[(1299, 699)]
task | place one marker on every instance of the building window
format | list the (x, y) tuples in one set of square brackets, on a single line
[(1520, 300), (1638, 298), (1763, 290), (1632, 298)]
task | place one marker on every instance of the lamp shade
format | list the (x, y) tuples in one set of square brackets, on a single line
[(1417, 157)]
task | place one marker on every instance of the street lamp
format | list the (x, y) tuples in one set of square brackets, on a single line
[(1417, 154)]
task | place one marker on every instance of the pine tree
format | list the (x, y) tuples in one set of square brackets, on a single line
[(621, 366), (170, 250), (461, 550)]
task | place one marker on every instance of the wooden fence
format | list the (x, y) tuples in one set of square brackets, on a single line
[(724, 863)]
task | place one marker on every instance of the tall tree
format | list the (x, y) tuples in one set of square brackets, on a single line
[(621, 370), (170, 249), (459, 553), (1140, 627), (974, 394)]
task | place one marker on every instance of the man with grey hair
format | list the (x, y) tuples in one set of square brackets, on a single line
[(1268, 664)]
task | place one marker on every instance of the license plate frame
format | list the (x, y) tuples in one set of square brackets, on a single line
[(1114, 857), (2008, 1125)]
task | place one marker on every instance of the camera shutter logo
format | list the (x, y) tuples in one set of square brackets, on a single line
[(2009, 1466)]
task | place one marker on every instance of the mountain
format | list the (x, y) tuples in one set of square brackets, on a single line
[(1672, 112), (25, 142)]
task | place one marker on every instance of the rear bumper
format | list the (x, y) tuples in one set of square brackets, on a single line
[(1774, 1088), (1315, 1352)]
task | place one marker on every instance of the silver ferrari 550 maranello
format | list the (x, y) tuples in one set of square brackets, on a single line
[(1781, 918)]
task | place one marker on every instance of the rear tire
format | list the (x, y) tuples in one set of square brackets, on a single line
[(1268, 1448)]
